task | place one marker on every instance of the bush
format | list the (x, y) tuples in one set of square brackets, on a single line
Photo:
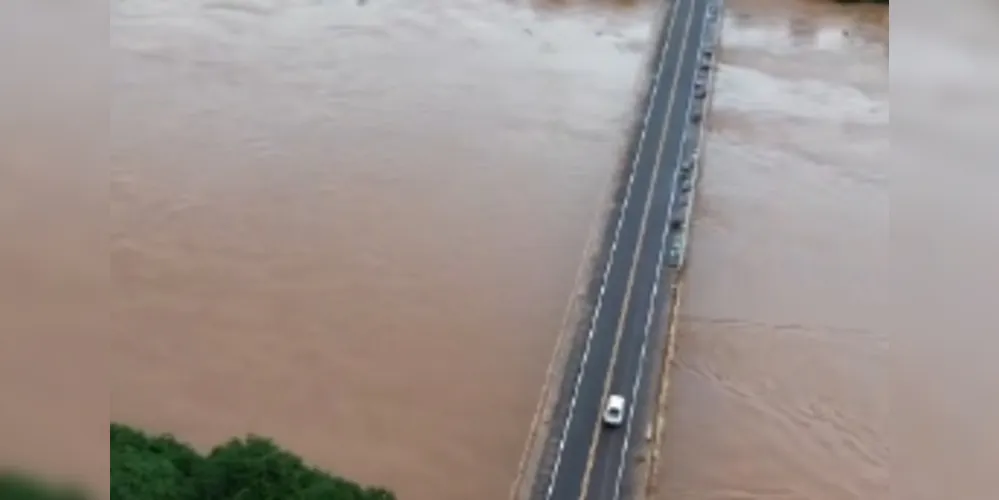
[(148, 467)]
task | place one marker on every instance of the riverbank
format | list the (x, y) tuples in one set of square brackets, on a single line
[(156, 467)]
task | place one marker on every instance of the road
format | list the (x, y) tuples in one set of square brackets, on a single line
[(591, 462)]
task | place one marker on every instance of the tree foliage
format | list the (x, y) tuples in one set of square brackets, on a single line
[(159, 467), (151, 467), (15, 485)]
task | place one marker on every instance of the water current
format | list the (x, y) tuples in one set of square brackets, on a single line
[(355, 227)]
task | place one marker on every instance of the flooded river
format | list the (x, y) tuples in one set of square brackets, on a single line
[(780, 385), (355, 227)]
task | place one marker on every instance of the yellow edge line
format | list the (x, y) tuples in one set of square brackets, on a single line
[(661, 401), (706, 106), (586, 263), (638, 247), (565, 331)]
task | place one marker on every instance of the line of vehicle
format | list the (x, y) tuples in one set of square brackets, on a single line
[(652, 310), (711, 40), (607, 267), (636, 254)]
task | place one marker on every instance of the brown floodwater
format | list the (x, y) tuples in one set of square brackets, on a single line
[(53, 241), (356, 227), (779, 388), (945, 396)]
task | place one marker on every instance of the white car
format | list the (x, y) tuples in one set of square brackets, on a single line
[(614, 411)]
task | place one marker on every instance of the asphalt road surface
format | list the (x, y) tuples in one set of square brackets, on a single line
[(592, 462)]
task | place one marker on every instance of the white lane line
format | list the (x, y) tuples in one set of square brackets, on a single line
[(633, 269), (660, 259), (613, 249), (683, 27)]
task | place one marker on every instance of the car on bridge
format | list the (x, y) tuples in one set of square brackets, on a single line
[(614, 411)]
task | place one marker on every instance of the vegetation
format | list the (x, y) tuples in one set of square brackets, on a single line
[(145, 467), (158, 467), (18, 486)]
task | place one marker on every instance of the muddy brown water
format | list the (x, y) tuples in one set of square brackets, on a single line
[(356, 227), (780, 383), (53, 242), (945, 399)]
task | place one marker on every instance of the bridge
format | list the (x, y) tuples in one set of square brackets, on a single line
[(643, 251)]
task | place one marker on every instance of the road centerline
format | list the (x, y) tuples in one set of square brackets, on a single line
[(611, 258), (657, 282), (633, 342), (640, 244)]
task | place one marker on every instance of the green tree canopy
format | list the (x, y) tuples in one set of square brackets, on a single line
[(15, 485), (151, 467), (159, 467)]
